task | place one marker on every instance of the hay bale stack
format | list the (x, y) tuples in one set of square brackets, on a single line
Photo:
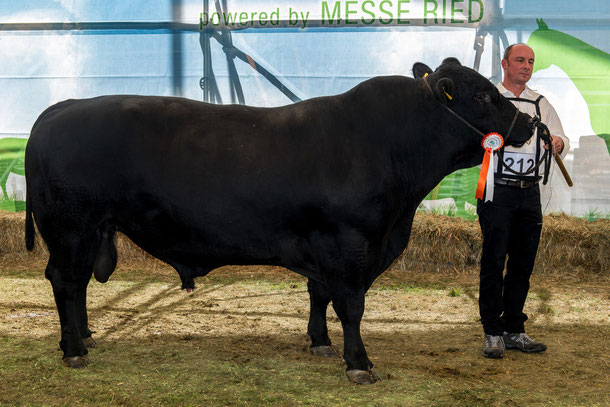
[(441, 243), (568, 245), (13, 254), (573, 245), (438, 243)]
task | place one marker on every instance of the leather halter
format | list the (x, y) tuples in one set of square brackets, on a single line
[(466, 122), (545, 157)]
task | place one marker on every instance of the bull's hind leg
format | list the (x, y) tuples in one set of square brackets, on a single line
[(69, 271), (66, 291), (319, 298), (82, 318)]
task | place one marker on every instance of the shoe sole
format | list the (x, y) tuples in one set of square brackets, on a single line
[(494, 355)]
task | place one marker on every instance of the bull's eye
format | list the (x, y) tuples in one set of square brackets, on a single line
[(482, 97)]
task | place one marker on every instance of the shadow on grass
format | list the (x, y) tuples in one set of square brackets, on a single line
[(436, 367)]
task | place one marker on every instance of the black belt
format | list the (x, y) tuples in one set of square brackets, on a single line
[(515, 183)]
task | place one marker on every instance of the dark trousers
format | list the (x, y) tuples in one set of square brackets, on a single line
[(511, 226)]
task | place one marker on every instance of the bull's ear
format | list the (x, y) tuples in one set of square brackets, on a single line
[(445, 90), (420, 70)]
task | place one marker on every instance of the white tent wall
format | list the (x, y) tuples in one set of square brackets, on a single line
[(55, 50)]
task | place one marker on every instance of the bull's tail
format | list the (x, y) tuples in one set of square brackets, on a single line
[(30, 232)]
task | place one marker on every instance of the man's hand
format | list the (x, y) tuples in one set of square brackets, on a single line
[(557, 144)]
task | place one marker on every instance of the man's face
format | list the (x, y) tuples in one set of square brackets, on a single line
[(519, 66)]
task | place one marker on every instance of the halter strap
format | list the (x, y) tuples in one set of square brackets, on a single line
[(539, 159), (510, 129)]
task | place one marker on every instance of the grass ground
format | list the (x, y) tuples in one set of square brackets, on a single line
[(239, 339)]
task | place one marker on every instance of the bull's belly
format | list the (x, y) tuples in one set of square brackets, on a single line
[(214, 246)]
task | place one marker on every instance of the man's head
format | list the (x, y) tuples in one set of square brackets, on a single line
[(518, 64)]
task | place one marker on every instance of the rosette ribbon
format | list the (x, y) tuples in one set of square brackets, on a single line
[(491, 142)]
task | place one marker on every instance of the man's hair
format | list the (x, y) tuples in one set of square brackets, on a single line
[(508, 49)]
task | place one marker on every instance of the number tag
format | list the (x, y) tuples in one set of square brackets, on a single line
[(519, 162)]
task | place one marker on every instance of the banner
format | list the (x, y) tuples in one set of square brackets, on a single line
[(271, 53)]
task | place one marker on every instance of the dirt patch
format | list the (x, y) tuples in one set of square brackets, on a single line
[(420, 327), (275, 303)]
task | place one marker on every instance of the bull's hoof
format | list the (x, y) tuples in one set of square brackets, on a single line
[(324, 351), (89, 342), (76, 362), (363, 376)]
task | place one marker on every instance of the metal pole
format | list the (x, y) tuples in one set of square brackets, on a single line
[(176, 49), (204, 40)]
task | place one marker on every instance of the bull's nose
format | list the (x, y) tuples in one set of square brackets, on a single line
[(532, 122)]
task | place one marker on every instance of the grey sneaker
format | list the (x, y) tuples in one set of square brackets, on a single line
[(494, 347), (523, 342)]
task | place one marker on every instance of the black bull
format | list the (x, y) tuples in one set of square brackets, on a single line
[(327, 187)]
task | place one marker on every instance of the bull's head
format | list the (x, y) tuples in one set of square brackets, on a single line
[(476, 101)]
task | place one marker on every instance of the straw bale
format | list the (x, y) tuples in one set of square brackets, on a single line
[(570, 244), (567, 245), (441, 243), (12, 244), (438, 243)]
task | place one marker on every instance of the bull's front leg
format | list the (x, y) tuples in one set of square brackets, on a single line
[(66, 291), (349, 306), (319, 298)]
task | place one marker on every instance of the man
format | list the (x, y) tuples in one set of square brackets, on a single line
[(511, 223)]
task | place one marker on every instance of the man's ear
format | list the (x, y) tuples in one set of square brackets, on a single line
[(445, 91), (420, 70)]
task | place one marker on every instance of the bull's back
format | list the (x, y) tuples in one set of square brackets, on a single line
[(169, 172)]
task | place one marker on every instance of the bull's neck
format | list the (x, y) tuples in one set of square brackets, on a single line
[(428, 142), (435, 151)]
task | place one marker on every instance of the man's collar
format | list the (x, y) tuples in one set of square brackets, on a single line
[(526, 94)]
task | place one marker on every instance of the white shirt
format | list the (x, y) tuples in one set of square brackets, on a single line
[(549, 118)]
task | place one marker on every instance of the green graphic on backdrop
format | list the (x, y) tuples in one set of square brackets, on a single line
[(588, 67), (461, 186), (11, 161)]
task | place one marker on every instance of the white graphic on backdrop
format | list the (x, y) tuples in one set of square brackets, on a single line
[(588, 162)]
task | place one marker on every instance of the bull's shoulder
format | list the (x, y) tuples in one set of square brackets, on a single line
[(382, 84), (382, 92)]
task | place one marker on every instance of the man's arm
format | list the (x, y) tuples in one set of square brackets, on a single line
[(559, 141)]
